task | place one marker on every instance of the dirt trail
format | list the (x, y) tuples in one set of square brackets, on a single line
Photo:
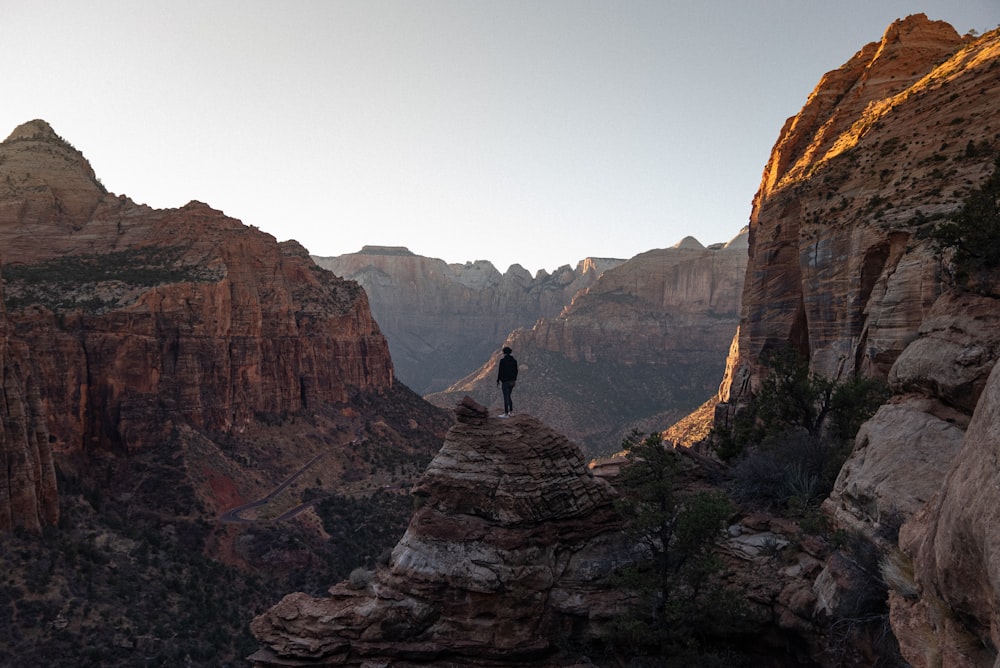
[(233, 515)]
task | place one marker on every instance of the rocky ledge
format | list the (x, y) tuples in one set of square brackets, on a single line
[(502, 562)]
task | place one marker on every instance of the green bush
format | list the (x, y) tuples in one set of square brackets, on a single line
[(681, 608), (974, 236), (789, 444), (794, 400), (791, 473)]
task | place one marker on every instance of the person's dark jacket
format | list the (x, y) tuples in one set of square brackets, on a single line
[(507, 369)]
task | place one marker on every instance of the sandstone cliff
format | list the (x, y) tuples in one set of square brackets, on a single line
[(842, 268), (139, 317), (28, 496), (442, 320), (183, 342), (508, 550), (642, 347), (886, 144)]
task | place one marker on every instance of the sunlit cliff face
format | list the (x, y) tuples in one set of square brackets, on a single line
[(848, 102)]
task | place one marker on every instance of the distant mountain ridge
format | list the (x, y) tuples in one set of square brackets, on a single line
[(442, 320), (640, 348)]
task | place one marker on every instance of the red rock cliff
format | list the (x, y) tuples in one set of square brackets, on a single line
[(28, 482), (137, 318), (842, 268)]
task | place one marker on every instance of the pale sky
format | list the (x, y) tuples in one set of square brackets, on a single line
[(534, 132)]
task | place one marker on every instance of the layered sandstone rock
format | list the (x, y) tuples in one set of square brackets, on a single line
[(902, 454), (642, 347), (508, 551), (952, 614), (139, 318), (841, 268), (28, 496), (442, 320)]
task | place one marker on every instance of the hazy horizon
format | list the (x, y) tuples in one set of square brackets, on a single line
[(530, 133)]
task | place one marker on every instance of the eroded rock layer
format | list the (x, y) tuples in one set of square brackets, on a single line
[(507, 552), (139, 318)]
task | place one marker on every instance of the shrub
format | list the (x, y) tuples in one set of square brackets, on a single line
[(681, 604), (794, 471), (897, 573), (973, 234), (791, 400), (360, 578)]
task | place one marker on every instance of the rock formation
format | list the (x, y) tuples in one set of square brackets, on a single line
[(442, 320), (184, 343), (507, 552), (641, 347), (951, 616), (138, 318), (28, 496), (842, 268), (211, 400), (886, 144), (902, 453)]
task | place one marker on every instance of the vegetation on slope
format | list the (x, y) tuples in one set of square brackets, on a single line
[(134, 574), (785, 450), (789, 444), (682, 614), (973, 234), (97, 282)]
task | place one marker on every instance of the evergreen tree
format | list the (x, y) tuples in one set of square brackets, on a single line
[(679, 603)]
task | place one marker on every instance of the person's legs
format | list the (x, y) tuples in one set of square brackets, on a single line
[(508, 406)]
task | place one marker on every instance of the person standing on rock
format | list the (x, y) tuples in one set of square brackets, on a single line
[(506, 377)]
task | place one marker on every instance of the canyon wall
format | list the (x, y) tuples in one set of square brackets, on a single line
[(642, 347), (28, 495), (442, 320), (843, 268), (179, 336), (138, 317), (839, 267)]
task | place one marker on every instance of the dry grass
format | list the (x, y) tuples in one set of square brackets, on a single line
[(897, 574)]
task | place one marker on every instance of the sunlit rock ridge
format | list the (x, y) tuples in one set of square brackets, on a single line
[(837, 266), (843, 269)]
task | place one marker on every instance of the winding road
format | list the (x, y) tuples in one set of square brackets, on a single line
[(233, 515)]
